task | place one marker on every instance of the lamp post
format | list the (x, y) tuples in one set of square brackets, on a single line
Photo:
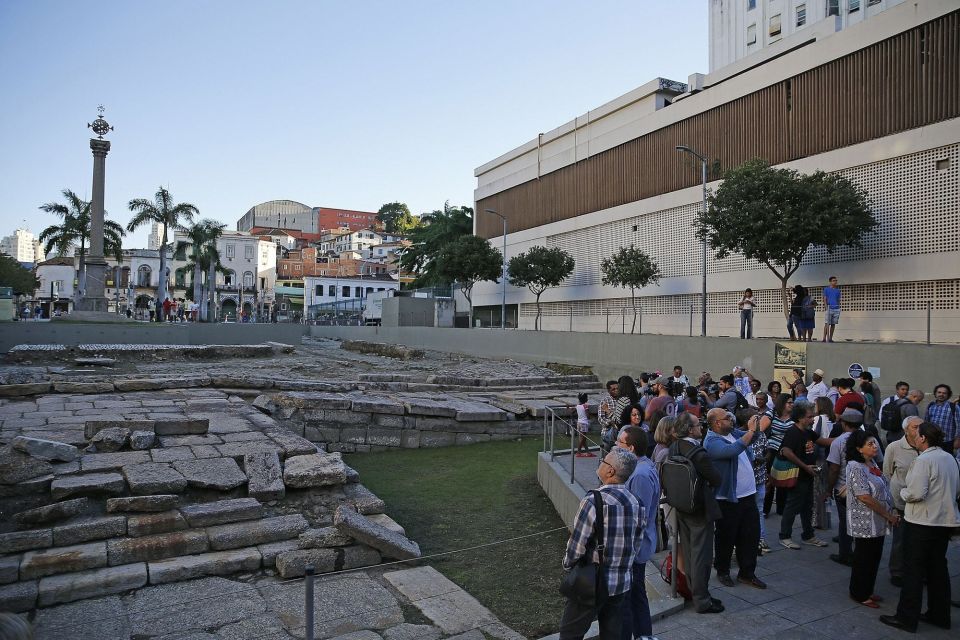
[(503, 274), (703, 266)]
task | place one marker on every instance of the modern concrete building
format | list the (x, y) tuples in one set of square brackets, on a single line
[(877, 102), (22, 246), (758, 29)]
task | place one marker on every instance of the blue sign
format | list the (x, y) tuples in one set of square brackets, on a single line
[(855, 370)]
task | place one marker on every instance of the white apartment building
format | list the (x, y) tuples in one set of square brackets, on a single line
[(757, 29), (352, 289), (22, 246), (877, 102), (155, 237), (57, 278)]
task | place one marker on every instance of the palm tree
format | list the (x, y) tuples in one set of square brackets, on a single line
[(172, 216), (204, 258), (75, 231)]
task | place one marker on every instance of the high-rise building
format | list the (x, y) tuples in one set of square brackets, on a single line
[(23, 246), (877, 102), (156, 236)]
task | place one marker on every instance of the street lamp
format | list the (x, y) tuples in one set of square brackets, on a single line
[(503, 275), (703, 292)]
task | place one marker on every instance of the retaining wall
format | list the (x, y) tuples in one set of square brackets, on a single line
[(613, 355)]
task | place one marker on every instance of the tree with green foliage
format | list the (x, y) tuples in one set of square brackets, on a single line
[(435, 231), (23, 282), (632, 269), (396, 218), (74, 232), (204, 260), (539, 269), (164, 211), (774, 216), (467, 261)]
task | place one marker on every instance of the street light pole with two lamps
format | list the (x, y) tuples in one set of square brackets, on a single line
[(503, 274), (703, 265)]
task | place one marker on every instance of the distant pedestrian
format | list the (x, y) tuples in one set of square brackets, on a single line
[(746, 306), (796, 310), (945, 415), (808, 316), (583, 425), (831, 297), (37, 313)]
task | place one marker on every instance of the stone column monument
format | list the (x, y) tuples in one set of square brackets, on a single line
[(94, 298)]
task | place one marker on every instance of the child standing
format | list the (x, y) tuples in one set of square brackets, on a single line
[(583, 426)]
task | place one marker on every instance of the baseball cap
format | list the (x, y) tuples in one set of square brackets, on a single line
[(660, 380), (852, 416)]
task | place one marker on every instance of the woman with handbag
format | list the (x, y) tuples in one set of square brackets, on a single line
[(780, 422), (794, 466), (870, 513)]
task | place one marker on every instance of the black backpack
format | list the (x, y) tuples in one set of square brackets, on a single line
[(890, 418), (681, 483), (741, 402)]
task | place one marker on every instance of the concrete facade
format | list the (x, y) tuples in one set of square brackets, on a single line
[(22, 246), (886, 286), (612, 355)]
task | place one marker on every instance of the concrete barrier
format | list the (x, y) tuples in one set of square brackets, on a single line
[(613, 355), (74, 333)]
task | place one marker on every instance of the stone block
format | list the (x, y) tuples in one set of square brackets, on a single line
[(26, 540), (141, 439), (271, 550), (407, 631), (377, 405), (154, 478), (311, 400), (244, 436), (363, 499), (429, 407), (142, 503), (216, 563), (478, 411), (110, 461), (383, 437), (181, 426), (389, 543), (83, 387), (265, 476), (91, 584), (92, 427), (86, 530), (237, 450), (471, 438), (190, 441), (322, 434), (49, 450), (51, 512), (388, 421), (337, 417), (246, 534), (32, 487), (222, 512), (292, 564), (290, 443), (156, 547), (213, 473), (20, 596), (9, 569), (48, 562), (316, 470), (146, 524), (353, 435), (323, 538), (387, 522), (16, 466), (432, 439), (87, 484), (111, 439), (172, 454), (205, 451), (360, 555), (21, 390), (410, 439)]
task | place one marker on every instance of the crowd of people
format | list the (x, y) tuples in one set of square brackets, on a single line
[(710, 461)]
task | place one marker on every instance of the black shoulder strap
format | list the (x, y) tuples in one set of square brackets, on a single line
[(598, 524)]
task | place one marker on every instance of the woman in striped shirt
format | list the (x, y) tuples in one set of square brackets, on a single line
[(779, 423)]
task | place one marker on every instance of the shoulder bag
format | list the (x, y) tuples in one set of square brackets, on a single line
[(580, 582)]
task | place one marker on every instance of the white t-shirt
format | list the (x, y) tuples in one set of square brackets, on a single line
[(746, 480), (582, 418), (817, 390)]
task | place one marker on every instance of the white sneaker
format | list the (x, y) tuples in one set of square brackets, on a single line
[(789, 544), (814, 542)]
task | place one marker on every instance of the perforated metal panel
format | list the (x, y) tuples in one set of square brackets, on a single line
[(915, 199)]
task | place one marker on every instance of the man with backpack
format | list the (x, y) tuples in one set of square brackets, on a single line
[(890, 413), (688, 479), (945, 415)]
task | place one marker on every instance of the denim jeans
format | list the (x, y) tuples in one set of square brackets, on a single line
[(746, 323), (636, 606)]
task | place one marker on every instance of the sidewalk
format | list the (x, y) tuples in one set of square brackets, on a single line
[(806, 598)]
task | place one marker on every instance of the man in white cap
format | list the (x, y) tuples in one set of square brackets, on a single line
[(817, 388)]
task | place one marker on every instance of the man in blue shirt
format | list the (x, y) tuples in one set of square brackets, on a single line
[(831, 296), (644, 484)]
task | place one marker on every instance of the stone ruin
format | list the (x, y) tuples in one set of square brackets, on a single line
[(105, 493)]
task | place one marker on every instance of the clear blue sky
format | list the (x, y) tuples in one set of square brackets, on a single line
[(340, 104)]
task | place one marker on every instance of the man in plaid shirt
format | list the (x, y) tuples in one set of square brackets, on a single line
[(622, 535), (945, 415)]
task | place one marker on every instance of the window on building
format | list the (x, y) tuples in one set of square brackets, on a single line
[(231, 250), (229, 279), (357, 292), (775, 25), (320, 290), (345, 292), (369, 290), (751, 4), (248, 280), (143, 276), (180, 279), (752, 34), (853, 5), (833, 7), (870, 3), (801, 15), (380, 289), (332, 291)]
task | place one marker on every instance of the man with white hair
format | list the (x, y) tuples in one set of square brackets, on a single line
[(897, 460), (622, 533)]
